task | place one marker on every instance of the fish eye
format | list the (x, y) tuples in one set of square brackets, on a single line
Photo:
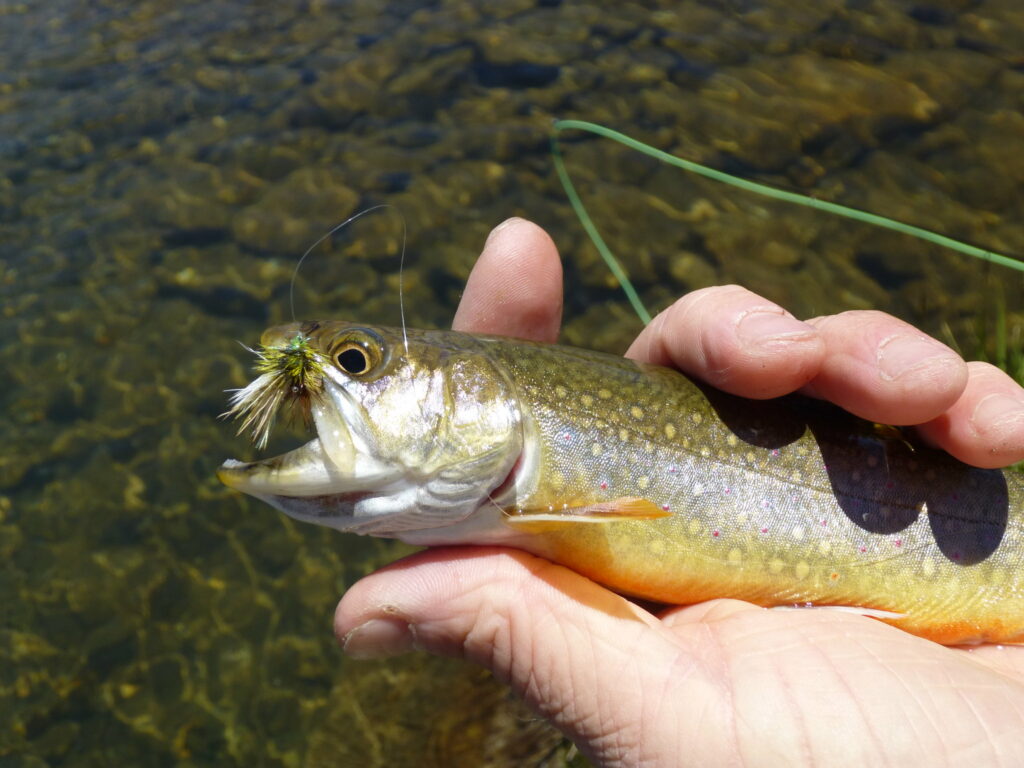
[(352, 359), (358, 352)]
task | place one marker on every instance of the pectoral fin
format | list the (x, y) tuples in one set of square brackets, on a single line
[(616, 510)]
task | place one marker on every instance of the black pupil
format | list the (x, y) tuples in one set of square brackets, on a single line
[(352, 360)]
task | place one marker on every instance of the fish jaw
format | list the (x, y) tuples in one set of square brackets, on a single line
[(305, 471), (307, 486)]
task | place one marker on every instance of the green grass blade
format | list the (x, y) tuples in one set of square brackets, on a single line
[(595, 236), (778, 194)]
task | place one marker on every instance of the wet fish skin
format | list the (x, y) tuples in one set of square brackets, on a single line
[(780, 502)]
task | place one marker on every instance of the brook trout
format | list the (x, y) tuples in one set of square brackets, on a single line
[(636, 476)]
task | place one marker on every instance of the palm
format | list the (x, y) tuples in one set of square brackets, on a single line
[(842, 689), (719, 683)]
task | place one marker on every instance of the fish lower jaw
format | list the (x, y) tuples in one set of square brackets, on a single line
[(305, 471)]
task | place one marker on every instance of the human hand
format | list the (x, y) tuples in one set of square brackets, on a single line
[(721, 682)]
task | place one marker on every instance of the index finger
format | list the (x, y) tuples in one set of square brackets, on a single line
[(734, 340)]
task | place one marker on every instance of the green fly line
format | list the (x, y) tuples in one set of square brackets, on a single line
[(744, 184)]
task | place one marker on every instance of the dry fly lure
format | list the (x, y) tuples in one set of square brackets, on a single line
[(290, 375)]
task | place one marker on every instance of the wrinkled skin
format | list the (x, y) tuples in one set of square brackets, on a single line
[(722, 682)]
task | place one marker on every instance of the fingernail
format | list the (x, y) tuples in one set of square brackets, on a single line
[(995, 410), (760, 325), (504, 225), (378, 638), (900, 353)]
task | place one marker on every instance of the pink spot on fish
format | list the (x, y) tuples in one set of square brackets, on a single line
[(728, 490), (567, 436), (863, 549), (889, 484), (716, 534), (604, 486), (775, 451), (764, 530), (672, 469), (665, 507), (824, 523), (898, 542)]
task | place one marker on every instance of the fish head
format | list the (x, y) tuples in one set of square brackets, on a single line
[(415, 430)]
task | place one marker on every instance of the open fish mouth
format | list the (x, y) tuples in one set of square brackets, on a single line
[(331, 464)]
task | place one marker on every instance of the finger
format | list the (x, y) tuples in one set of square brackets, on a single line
[(885, 370), (985, 427), (515, 288), (580, 655), (734, 340)]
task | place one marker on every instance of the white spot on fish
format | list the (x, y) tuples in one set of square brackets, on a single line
[(604, 393), (636, 412), (802, 569), (776, 565), (731, 440), (595, 449), (696, 418), (798, 532), (735, 556), (643, 481), (670, 431)]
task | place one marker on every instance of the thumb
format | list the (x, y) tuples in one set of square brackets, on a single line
[(590, 661)]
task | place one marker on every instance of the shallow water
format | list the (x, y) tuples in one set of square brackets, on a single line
[(161, 169)]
